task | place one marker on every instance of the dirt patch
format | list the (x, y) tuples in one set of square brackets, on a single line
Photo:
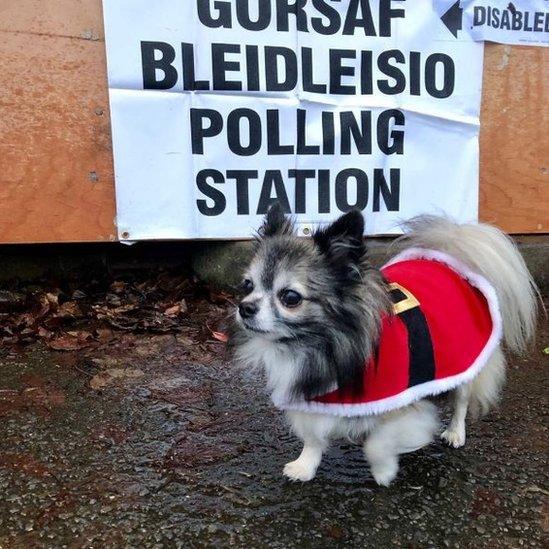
[(41, 400), (24, 463)]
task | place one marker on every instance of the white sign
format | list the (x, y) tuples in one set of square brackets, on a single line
[(221, 107), (523, 22)]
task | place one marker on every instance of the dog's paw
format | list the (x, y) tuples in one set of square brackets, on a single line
[(385, 473), (454, 437), (299, 470)]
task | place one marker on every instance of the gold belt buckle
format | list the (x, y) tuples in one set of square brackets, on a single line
[(406, 304)]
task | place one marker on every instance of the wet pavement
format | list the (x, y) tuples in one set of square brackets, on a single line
[(141, 443)]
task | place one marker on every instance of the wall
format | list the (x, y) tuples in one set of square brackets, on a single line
[(56, 173)]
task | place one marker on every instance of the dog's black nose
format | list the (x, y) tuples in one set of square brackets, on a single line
[(247, 309)]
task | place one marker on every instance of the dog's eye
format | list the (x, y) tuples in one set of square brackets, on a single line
[(247, 286), (290, 298)]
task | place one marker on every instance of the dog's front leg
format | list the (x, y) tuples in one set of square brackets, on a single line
[(305, 466), (315, 430)]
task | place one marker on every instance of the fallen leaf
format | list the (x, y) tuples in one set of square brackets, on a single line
[(118, 286), (78, 294), (82, 335), (45, 307), (113, 299), (42, 332), (173, 311), (105, 362), (69, 309), (123, 309), (68, 343), (53, 299), (105, 378), (221, 336), (104, 335)]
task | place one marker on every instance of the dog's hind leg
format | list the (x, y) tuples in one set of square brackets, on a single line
[(477, 396), (454, 434), (397, 433)]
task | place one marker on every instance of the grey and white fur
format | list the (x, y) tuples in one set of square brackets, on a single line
[(311, 316)]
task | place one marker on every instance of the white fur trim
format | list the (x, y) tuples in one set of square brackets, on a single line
[(435, 386)]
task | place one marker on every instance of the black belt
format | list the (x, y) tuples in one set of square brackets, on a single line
[(420, 344)]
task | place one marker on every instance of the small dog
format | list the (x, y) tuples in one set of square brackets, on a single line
[(350, 351)]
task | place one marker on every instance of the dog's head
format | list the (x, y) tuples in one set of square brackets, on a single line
[(316, 296), (294, 284)]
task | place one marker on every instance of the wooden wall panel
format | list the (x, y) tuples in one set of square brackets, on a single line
[(514, 139), (56, 174), (72, 18)]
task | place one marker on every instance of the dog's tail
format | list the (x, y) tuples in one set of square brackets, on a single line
[(491, 253)]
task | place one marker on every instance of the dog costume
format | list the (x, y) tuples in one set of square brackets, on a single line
[(444, 327)]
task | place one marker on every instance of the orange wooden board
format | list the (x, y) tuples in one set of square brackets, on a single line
[(56, 173), (514, 139)]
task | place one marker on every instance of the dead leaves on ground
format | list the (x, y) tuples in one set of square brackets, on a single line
[(71, 319)]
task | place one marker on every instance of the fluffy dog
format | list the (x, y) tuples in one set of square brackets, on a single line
[(350, 351)]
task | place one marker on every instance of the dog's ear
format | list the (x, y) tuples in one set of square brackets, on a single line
[(276, 223), (342, 242)]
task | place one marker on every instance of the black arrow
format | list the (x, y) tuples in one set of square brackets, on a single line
[(452, 18)]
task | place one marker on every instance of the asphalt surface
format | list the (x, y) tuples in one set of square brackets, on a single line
[(134, 445)]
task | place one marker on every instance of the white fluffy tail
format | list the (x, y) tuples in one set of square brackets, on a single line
[(491, 253)]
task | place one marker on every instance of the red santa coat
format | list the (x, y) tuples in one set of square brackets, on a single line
[(445, 326)]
